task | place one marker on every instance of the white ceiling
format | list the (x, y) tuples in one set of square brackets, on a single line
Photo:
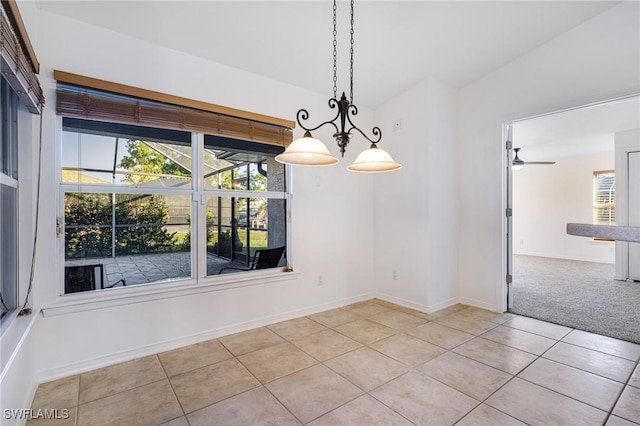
[(397, 43), (581, 131)]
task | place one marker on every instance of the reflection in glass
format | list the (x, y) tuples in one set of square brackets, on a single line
[(9, 195), (8, 249), (137, 238), (108, 160), (241, 166), (237, 227)]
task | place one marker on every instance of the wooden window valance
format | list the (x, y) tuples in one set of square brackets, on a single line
[(18, 62), (84, 97)]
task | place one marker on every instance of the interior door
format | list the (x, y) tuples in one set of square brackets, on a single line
[(634, 211)]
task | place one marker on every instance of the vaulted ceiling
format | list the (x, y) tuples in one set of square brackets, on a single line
[(397, 43)]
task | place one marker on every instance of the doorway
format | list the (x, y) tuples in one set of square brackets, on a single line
[(551, 275)]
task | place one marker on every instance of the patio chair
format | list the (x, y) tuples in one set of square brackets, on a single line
[(85, 278), (262, 259)]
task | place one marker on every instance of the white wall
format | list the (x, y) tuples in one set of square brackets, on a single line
[(415, 207), (332, 218), (597, 60), (546, 198)]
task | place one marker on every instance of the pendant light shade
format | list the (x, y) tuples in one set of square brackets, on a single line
[(307, 151), (373, 160)]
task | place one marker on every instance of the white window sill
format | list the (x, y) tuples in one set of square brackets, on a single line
[(13, 337), (86, 301)]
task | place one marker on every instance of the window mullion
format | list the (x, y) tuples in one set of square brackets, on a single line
[(199, 209)]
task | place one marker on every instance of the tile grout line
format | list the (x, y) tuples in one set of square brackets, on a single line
[(513, 376), (541, 356), (484, 401), (78, 400), (451, 350), (363, 345), (365, 392), (323, 363), (624, 388), (184, 414), (262, 385), (409, 367), (119, 393)]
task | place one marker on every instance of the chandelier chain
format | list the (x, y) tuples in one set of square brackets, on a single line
[(351, 69), (312, 152), (335, 52)]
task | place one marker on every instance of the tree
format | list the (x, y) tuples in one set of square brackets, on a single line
[(139, 225), (142, 158), (87, 225)]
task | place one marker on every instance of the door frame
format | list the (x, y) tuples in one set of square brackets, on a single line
[(504, 289)]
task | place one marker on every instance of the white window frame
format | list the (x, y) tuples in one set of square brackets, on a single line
[(199, 281), (11, 182)]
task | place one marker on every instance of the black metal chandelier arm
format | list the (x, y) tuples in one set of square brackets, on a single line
[(376, 130), (303, 115)]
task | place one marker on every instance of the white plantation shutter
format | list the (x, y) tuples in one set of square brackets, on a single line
[(604, 198)]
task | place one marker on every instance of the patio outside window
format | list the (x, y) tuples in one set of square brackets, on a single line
[(132, 213)]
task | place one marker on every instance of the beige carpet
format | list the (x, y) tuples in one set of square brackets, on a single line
[(576, 294)]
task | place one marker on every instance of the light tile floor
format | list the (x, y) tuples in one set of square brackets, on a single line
[(365, 364)]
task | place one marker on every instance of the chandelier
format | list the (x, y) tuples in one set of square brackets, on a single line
[(309, 151)]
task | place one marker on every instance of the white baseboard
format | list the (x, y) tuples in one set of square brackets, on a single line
[(478, 304), (123, 356), (429, 309), (116, 358)]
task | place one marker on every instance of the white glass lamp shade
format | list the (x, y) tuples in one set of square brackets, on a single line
[(307, 151), (373, 160), (517, 166)]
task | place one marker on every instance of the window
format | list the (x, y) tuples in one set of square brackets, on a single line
[(604, 198), (9, 200), (158, 188), (245, 201), (20, 92), (140, 204)]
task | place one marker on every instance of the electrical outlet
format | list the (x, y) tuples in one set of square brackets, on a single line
[(320, 280), (394, 275), (397, 125)]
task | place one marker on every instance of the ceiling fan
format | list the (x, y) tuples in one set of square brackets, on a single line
[(518, 163)]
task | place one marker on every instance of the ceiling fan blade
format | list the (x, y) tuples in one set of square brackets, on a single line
[(517, 162)]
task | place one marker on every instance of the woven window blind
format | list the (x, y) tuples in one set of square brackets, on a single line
[(17, 60), (91, 103)]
